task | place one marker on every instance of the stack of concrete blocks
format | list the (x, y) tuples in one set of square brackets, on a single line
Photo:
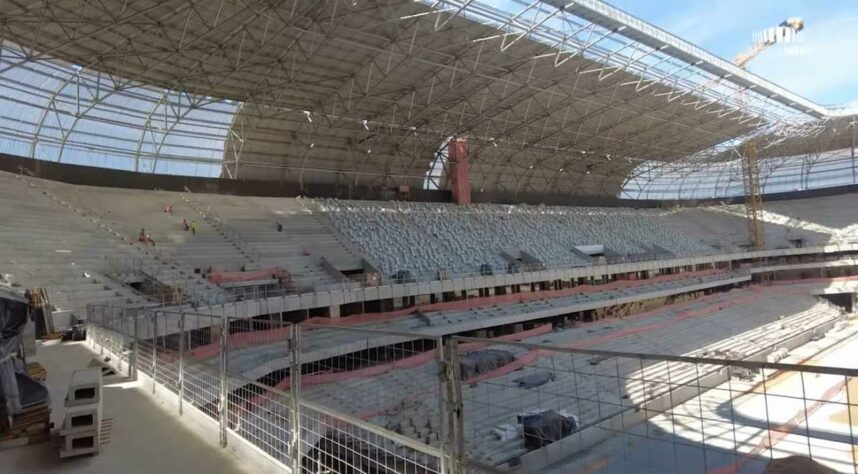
[(82, 425)]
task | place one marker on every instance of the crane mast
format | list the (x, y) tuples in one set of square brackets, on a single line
[(784, 32)]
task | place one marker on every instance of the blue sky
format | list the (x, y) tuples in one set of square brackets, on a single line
[(822, 65)]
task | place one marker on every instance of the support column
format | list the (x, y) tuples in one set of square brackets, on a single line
[(454, 447), (459, 170), (132, 371), (181, 362), (154, 351)]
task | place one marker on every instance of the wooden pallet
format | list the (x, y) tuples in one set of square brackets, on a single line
[(25, 441), (33, 425)]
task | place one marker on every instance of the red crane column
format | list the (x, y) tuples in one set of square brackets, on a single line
[(457, 164)]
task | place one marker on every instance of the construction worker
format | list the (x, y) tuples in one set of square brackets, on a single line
[(194, 227), (145, 238)]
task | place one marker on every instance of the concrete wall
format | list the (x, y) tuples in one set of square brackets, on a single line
[(94, 176)]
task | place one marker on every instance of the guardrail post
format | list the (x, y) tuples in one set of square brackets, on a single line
[(119, 323), (443, 440), (224, 383), (294, 395), (154, 351), (102, 325), (453, 447), (181, 361), (132, 366)]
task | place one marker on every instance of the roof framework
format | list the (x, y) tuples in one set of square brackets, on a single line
[(554, 97)]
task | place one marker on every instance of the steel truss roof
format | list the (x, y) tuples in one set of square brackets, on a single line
[(554, 96)]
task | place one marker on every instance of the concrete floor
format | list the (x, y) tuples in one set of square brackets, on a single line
[(145, 437)]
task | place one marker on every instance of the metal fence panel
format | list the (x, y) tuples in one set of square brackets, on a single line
[(355, 400)]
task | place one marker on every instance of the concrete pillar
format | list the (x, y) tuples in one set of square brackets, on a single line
[(457, 159), (334, 311)]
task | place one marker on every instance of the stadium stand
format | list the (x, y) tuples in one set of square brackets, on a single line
[(260, 359), (428, 239), (416, 237), (45, 246), (301, 243), (80, 252), (741, 323), (321, 238)]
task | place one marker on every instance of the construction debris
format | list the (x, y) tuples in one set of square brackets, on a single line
[(37, 372)]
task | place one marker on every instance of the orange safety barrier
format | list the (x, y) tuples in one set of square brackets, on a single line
[(260, 337), (246, 339), (242, 339), (406, 363), (220, 277), (535, 354)]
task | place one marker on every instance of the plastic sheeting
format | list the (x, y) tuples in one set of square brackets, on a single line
[(535, 379), (13, 317), (475, 363), (796, 465), (32, 393), (542, 429)]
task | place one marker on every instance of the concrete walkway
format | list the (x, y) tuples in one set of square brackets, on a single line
[(145, 438)]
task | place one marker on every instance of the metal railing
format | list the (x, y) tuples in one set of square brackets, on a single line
[(339, 399), (281, 299), (444, 276)]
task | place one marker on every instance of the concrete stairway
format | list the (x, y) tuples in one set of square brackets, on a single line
[(45, 245), (158, 262), (299, 248)]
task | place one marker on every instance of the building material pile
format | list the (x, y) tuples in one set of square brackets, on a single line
[(24, 403), (81, 430), (33, 423)]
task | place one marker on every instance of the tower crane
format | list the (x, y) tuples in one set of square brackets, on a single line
[(785, 32)]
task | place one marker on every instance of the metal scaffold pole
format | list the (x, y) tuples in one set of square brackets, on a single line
[(224, 384), (294, 395), (181, 362)]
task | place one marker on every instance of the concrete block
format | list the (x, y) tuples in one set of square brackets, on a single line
[(84, 387), (79, 444), (81, 419)]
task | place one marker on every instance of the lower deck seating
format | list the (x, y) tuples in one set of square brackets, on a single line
[(741, 323)]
